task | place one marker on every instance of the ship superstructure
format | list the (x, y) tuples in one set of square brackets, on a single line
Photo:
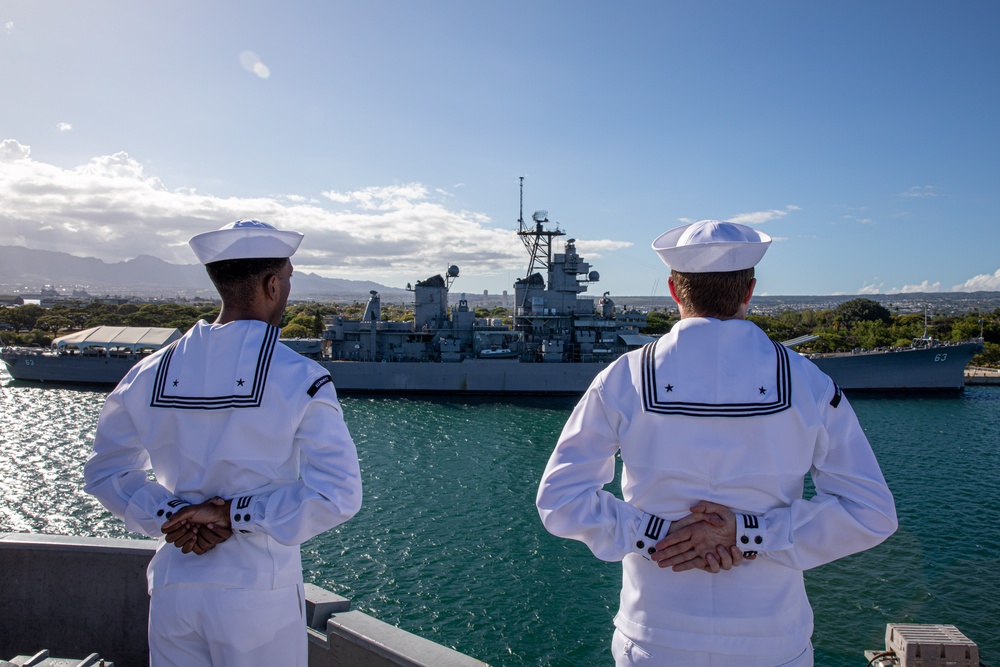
[(551, 322), (437, 333)]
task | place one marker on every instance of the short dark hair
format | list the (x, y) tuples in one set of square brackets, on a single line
[(715, 294), (237, 279)]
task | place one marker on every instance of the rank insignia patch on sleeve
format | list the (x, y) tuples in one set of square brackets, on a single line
[(317, 384), (837, 395)]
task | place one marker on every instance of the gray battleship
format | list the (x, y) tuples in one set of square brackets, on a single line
[(556, 342), (927, 365), (466, 356)]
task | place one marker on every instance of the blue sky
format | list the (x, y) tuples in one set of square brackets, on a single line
[(862, 136)]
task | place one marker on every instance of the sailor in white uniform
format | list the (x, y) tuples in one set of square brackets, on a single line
[(717, 427), (251, 457)]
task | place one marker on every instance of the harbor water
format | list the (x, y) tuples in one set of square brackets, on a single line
[(448, 544)]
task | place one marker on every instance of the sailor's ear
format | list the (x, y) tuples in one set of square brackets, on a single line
[(270, 285), (673, 289)]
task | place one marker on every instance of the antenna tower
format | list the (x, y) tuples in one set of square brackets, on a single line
[(537, 240)]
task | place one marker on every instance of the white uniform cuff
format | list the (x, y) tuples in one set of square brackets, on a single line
[(652, 529), (166, 509), (243, 516), (750, 533)]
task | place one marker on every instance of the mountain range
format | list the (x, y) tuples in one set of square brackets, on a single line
[(26, 270)]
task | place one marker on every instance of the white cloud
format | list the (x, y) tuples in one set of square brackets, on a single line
[(863, 221), (922, 287), (64, 127), (921, 191), (754, 218), (117, 166), (113, 209), (594, 249), (9, 26), (984, 282), (11, 150), (871, 288), (760, 217), (381, 198), (878, 287), (253, 64)]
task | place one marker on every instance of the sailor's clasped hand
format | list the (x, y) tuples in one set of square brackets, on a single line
[(704, 540), (199, 528)]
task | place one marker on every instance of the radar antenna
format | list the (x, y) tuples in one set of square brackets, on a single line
[(537, 240), (450, 275)]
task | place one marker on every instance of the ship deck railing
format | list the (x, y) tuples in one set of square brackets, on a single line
[(76, 596), (28, 352)]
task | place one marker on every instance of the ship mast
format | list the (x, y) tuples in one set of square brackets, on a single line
[(537, 240)]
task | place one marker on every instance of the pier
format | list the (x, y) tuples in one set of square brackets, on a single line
[(979, 375)]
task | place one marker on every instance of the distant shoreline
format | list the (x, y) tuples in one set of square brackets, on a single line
[(935, 303)]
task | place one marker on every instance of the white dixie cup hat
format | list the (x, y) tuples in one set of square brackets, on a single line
[(711, 245), (245, 239)]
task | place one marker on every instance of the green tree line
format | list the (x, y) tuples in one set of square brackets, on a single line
[(33, 325), (863, 324)]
